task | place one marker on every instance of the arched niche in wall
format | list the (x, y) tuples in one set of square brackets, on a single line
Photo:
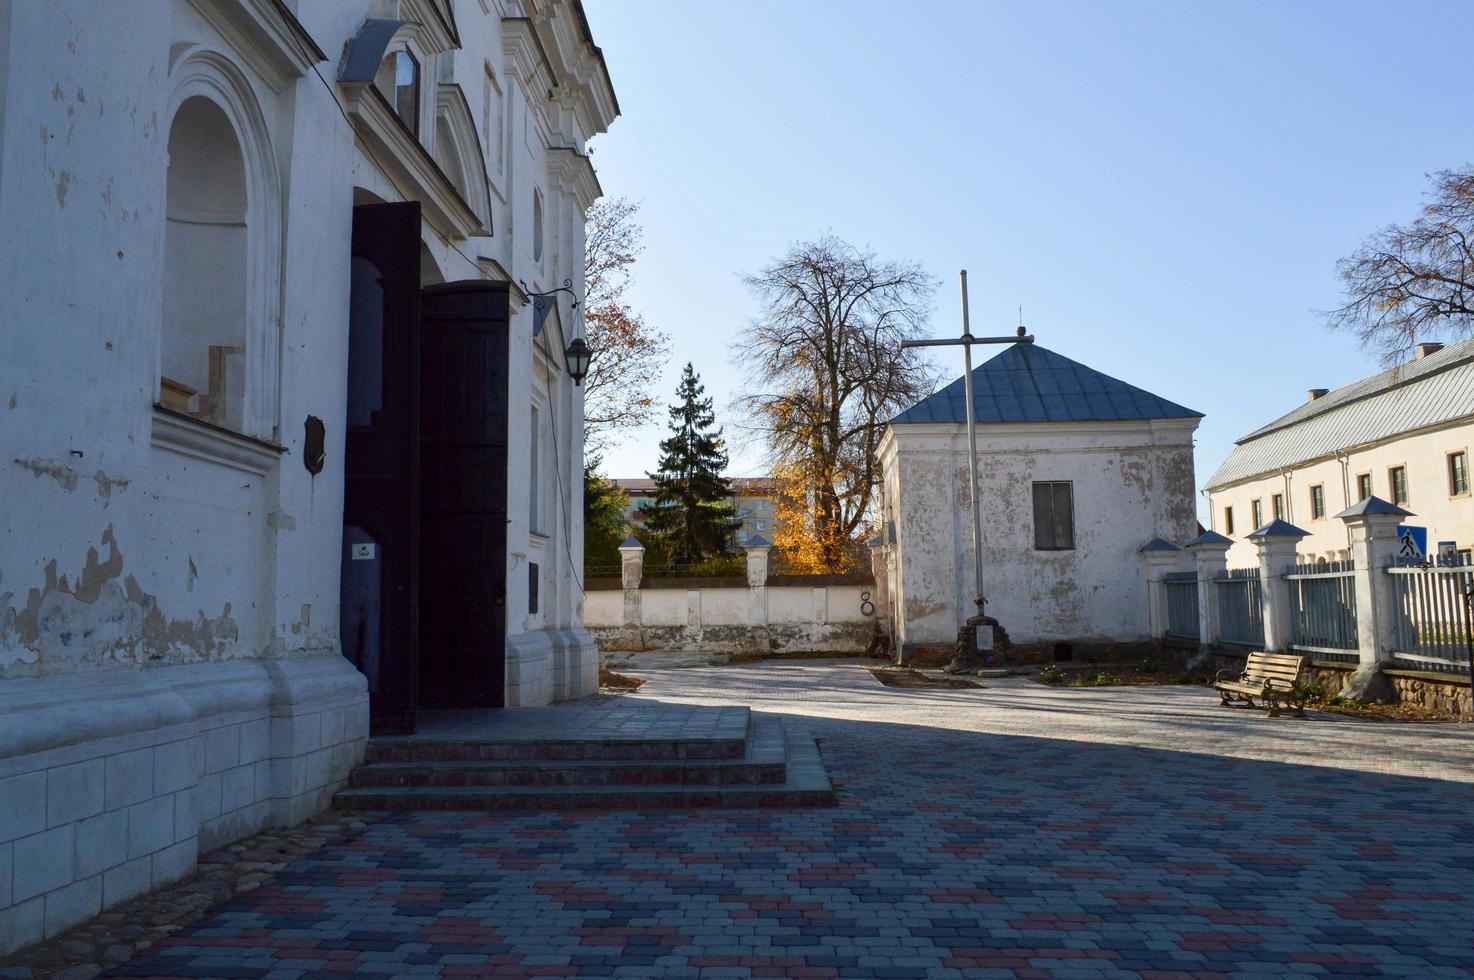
[(458, 150), (222, 250)]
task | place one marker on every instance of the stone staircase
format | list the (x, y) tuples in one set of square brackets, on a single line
[(642, 757)]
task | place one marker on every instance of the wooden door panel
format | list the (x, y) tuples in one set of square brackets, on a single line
[(463, 459), (379, 607)]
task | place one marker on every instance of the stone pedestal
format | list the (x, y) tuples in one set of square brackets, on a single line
[(1277, 542), (1210, 556)]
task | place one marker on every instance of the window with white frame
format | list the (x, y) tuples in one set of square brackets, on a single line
[(534, 474), (492, 116), (537, 225), (398, 81)]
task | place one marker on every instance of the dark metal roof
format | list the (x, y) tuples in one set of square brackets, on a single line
[(1159, 544), (1029, 383), (1210, 538), (1278, 528), (1374, 505)]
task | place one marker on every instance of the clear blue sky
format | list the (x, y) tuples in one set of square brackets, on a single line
[(1165, 187)]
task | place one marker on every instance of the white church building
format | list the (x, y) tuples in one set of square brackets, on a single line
[(1077, 471), (291, 442)]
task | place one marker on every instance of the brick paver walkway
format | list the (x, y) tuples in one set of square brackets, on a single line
[(1013, 831)]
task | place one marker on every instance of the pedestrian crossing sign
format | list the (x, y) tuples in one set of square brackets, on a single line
[(1412, 545)]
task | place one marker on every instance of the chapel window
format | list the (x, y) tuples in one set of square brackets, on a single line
[(1318, 501), (1363, 486), (1277, 505), (203, 357), (398, 81), (1256, 513), (1054, 516), (1228, 520)]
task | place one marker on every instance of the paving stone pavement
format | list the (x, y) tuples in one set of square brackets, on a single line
[(1013, 831)]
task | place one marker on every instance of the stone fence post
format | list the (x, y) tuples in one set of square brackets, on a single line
[(1210, 555), (1160, 556), (1373, 524), (1277, 542), (631, 571), (757, 548)]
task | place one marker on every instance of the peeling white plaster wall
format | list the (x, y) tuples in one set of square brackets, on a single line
[(1132, 481), (205, 570)]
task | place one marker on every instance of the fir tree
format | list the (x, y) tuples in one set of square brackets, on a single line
[(692, 515), (604, 523)]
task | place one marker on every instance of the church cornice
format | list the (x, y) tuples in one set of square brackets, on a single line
[(267, 35)]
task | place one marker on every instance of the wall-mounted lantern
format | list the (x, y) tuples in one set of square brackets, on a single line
[(577, 356)]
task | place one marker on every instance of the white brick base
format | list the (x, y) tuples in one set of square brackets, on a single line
[(112, 783)]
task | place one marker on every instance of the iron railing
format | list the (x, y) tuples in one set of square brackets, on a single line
[(1240, 613), (1431, 617), (1181, 591), (1324, 600)]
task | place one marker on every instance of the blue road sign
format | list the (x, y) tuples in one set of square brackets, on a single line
[(1412, 544)]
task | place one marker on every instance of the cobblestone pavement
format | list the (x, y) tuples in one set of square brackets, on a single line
[(1014, 831)]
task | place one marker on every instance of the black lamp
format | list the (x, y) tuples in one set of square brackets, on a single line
[(577, 356)]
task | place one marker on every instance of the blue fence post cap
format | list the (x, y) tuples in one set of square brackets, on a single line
[(1278, 528), (1158, 544), (1374, 505), (1210, 538)]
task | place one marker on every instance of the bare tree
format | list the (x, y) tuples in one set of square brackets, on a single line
[(627, 353), (826, 371), (1413, 282)]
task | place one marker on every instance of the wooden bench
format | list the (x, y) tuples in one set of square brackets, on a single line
[(1271, 677)]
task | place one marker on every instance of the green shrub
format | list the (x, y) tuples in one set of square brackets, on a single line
[(1311, 691), (1053, 674)]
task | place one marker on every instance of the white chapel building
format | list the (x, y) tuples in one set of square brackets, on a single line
[(1077, 471), (290, 446)]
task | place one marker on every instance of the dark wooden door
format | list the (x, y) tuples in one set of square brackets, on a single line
[(463, 510), (380, 584)]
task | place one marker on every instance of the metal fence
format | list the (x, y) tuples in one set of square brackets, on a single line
[(1240, 613), (1181, 591), (1324, 600), (1432, 617)]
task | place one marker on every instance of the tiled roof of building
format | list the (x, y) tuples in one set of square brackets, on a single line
[(1029, 383), (1434, 389)]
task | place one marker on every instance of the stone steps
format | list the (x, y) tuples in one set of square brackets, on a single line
[(772, 768)]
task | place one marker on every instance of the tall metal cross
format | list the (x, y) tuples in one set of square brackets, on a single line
[(966, 342)]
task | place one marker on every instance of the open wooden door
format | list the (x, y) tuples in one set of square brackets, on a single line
[(381, 547), (463, 512)]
